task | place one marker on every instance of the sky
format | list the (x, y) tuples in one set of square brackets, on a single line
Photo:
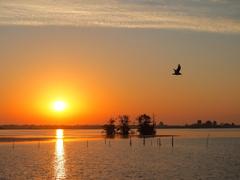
[(105, 58)]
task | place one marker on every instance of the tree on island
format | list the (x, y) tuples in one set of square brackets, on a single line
[(146, 126), (124, 127), (110, 128)]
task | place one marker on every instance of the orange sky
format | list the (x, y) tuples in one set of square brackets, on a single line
[(103, 72)]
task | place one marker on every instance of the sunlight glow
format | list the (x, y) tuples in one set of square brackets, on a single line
[(59, 106)]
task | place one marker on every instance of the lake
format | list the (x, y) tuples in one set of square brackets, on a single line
[(85, 154)]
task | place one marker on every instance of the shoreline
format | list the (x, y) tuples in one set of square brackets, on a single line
[(101, 128)]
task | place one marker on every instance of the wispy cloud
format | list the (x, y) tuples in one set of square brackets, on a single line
[(200, 15)]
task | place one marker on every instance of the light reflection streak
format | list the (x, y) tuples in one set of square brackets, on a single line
[(59, 155)]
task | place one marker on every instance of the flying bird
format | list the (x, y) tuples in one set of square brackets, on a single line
[(177, 71)]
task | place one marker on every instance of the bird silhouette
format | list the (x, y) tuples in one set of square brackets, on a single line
[(177, 71)]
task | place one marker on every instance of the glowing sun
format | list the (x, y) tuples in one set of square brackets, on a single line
[(59, 106)]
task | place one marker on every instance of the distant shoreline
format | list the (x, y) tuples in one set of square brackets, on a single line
[(42, 127)]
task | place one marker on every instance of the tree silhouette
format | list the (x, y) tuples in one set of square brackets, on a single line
[(110, 128), (124, 127), (146, 127)]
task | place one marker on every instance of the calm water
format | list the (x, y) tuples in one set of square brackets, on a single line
[(83, 154)]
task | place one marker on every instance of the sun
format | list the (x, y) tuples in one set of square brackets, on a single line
[(59, 106)]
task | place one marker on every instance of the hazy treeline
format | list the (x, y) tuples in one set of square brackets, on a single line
[(211, 124)]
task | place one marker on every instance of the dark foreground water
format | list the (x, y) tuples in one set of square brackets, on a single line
[(83, 154)]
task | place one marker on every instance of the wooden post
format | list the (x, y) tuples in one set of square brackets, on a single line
[(159, 142), (13, 144), (144, 140), (130, 141), (172, 141), (207, 141), (38, 144)]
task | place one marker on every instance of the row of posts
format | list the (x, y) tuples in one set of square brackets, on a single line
[(159, 143)]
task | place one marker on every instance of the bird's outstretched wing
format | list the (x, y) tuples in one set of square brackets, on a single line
[(178, 68)]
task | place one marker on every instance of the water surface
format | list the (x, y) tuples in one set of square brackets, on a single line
[(87, 157)]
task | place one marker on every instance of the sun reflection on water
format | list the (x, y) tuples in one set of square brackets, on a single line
[(59, 134), (59, 155)]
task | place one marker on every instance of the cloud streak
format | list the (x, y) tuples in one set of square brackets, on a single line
[(204, 15)]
